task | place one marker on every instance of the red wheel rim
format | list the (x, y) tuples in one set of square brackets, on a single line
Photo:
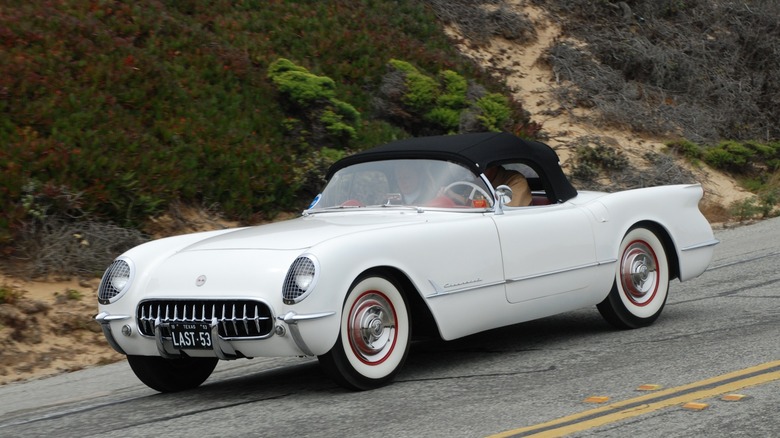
[(372, 330), (639, 273)]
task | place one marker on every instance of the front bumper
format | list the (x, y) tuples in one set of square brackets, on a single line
[(275, 344)]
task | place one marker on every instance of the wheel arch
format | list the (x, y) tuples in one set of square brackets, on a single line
[(667, 241), (422, 320)]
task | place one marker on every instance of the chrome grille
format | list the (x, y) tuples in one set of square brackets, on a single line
[(236, 319), (115, 281)]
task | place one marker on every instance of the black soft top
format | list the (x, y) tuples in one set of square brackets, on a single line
[(477, 152)]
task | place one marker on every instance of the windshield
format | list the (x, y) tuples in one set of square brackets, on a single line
[(419, 183)]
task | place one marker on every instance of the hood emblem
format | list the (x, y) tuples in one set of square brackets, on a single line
[(200, 281)]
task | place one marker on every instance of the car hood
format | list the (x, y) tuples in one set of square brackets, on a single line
[(304, 232)]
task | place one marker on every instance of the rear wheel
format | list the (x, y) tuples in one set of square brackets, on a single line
[(171, 375), (374, 336), (641, 283)]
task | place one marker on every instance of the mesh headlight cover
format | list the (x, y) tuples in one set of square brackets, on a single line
[(300, 279), (116, 281)]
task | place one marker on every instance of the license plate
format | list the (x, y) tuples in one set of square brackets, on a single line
[(191, 335)]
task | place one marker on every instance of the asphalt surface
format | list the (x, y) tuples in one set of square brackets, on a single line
[(568, 375)]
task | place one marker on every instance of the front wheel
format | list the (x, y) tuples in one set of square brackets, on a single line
[(172, 375), (641, 283), (374, 336)]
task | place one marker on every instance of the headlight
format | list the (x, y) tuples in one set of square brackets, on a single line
[(116, 281), (300, 279)]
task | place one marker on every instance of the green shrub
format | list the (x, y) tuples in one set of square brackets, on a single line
[(299, 85), (594, 159), (744, 210), (319, 118), (730, 155), (8, 295), (73, 295), (453, 93), (446, 119), (304, 88), (768, 200), (444, 104), (337, 125), (687, 149), (602, 156), (585, 172), (421, 91), (744, 157), (493, 111)]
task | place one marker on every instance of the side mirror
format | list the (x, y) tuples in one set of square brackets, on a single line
[(504, 194)]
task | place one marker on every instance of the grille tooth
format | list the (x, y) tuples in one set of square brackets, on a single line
[(143, 319), (232, 317), (224, 320)]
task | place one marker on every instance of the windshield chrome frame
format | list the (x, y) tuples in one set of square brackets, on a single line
[(450, 172)]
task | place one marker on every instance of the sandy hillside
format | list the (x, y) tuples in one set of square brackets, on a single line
[(532, 83), (50, 328)]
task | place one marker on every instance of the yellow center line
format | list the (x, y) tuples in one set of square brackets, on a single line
[(645, 404)]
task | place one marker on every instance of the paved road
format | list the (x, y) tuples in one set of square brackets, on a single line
[(719, 335)]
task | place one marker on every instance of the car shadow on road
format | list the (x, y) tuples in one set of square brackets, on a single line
[(434, 358), (253, 380)]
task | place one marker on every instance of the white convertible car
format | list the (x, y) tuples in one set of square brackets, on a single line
[(406, 239)]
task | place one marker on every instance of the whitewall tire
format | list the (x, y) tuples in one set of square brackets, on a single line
[(374, 336), (641, 284)]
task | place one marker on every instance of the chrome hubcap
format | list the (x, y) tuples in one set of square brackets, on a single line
[(639, 272), (372, 327)]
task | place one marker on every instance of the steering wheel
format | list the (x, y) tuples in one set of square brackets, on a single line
[(474, 189)]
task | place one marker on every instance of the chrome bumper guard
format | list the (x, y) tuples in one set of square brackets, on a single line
[(104, 319), (291, 319)]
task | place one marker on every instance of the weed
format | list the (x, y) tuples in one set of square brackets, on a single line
[(745, 210), (687, 149), (768, 201), (8, 295), (73, 295)]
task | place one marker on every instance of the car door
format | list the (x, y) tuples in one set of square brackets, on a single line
[(546, 251)]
